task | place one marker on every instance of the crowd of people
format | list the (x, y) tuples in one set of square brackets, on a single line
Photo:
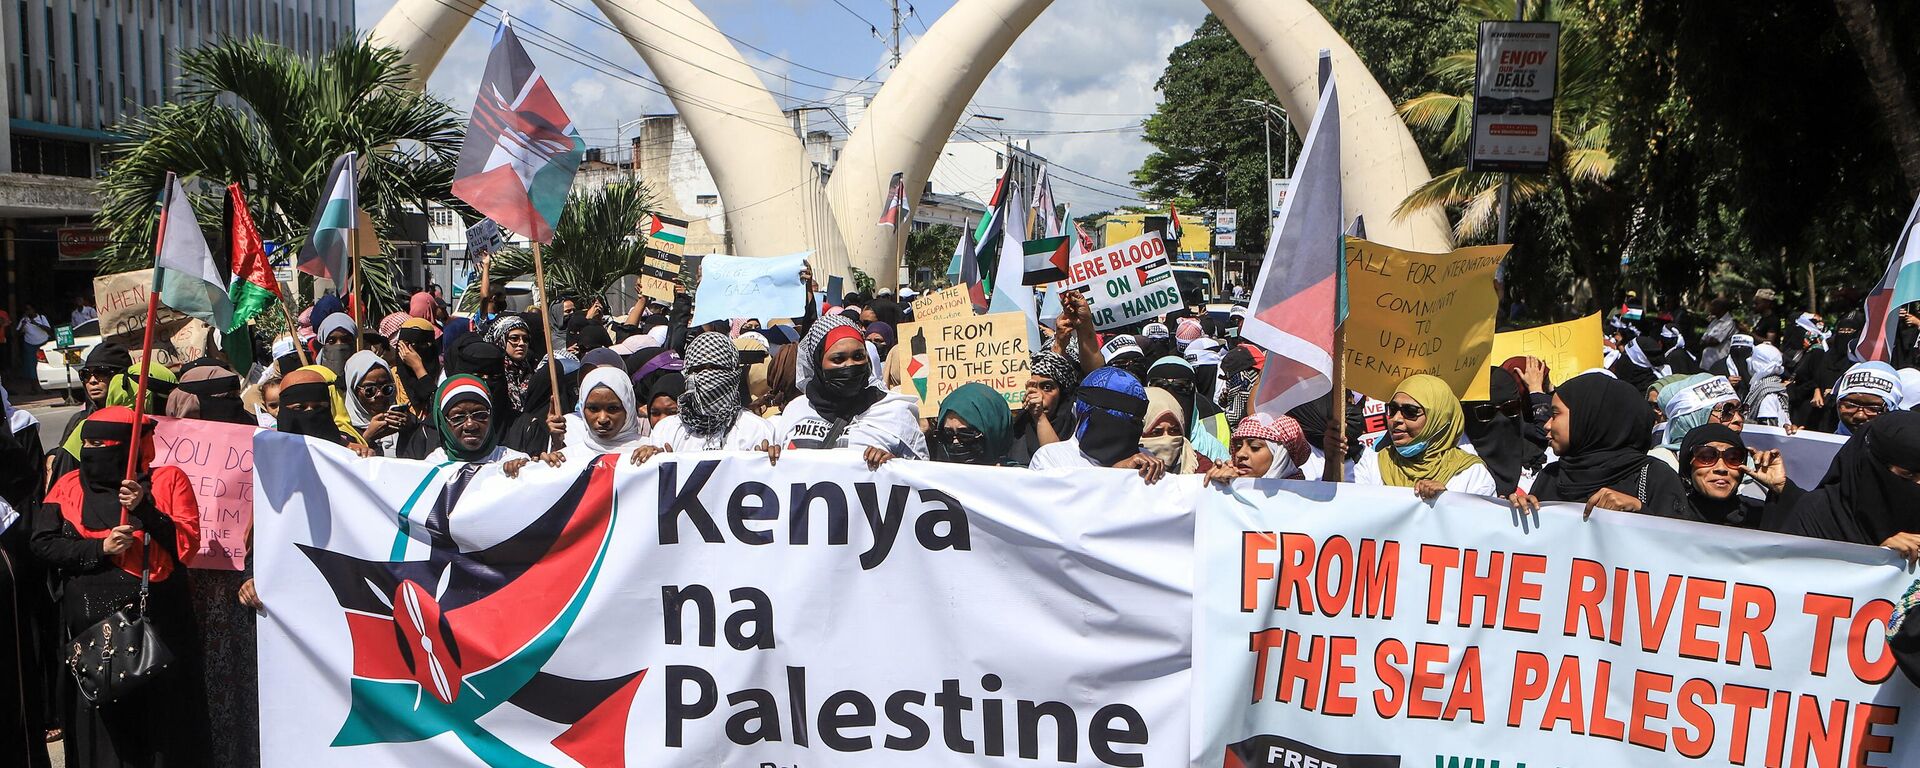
[(1656, 431)]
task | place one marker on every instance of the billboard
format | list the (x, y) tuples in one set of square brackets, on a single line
[(1515, 80)]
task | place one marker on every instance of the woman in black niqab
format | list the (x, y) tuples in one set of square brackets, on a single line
[(1503, 442), (1869, 495)]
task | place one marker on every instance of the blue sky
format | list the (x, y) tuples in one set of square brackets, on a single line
[(1084, 65)]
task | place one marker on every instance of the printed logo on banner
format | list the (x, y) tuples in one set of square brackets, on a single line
[(1271, 751), (438, 643)]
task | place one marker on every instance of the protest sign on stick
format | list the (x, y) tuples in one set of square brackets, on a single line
[(1567, 348), (217, 458), (990, 349), (122, 301), (1126, 283), (749, 287), (1418, 313)]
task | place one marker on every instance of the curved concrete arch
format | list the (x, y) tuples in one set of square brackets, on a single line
[(915, 111), (762, 174)]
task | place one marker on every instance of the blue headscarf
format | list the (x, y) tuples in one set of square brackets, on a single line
[(450, 335), (325, 306)]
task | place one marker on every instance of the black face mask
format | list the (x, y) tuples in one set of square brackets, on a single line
[(843, 382), (225, 408), (102, 468), (955, 447), (1107, 438), (317, 422)]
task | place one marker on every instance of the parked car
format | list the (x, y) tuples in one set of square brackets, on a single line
[(60, 370)]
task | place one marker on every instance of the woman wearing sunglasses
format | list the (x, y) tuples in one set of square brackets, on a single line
[(1716, 461), (371, 397), (1508, 430), (1421, 449), (1689, 403)]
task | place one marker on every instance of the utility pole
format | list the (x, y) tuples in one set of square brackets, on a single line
[(893, 43), (1506, 179)]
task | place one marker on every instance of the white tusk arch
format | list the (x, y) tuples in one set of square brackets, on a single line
[(913, 114), (762, 173)]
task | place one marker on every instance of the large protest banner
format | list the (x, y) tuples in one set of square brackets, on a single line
[(1359, 627), (1413, 312), (706, 610), (990, 349), (217, 458), (1567, 348), (1127, 283)]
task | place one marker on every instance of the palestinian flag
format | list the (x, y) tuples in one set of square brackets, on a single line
[(521, 150), (325, 254), (663, 229), (252, 286), (1046, 260), (896, 207), (185, 276)]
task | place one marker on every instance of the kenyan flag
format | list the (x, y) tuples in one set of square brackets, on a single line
[(521, 150)]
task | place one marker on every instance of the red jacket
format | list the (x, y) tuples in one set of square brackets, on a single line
[(172, 494)]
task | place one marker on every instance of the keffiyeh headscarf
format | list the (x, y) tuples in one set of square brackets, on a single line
[(712, 401), (1285, 439), (1053, 366)]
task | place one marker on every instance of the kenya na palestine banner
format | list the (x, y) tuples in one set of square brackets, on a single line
[(703, 610), (1361, 628)]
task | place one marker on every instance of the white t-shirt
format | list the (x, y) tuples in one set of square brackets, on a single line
[(1064, 454), (1475, 479), (82, 315), (892, 425), (33, 330), (748, 433)]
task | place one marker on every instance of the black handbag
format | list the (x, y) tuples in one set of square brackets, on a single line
[(121, 653)]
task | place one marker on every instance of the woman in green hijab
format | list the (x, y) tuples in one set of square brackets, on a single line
[(975, 427), (1421, 449)]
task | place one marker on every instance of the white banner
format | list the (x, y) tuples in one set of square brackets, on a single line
[(705, 611), (1515, 81), (1808, 454), (1358, 627), (1127, 283)]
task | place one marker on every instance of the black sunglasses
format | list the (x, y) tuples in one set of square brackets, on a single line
[(1408, 410), (373, 390), (1486, 411)]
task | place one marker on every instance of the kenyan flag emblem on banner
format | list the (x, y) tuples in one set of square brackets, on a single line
[(521, 150)]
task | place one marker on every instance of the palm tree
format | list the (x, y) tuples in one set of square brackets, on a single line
[(1580, 180), (255, 113), (596, 244)]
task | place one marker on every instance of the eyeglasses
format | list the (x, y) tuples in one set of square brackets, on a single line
[(1705, 456), (1873, 408), (1408, 410), (477, 417), (375, 390), (1486, 411), (1728, 411)]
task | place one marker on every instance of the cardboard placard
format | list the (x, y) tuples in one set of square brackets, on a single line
[(943, 304), (990, 349), (122, 301), (1412, 312), (1568, 348)]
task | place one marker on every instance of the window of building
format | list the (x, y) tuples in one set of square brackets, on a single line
[(53, 157), (73, 40), (53, 63), (442, 217), (26, 53), (99, 66), (706, 199)]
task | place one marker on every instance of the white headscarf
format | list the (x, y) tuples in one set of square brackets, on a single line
[(18, 420), (616, 381), (358, 366)]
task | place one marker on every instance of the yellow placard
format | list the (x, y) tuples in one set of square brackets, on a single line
[(990, 349), (947, 302), (1412, 312), (1568, 348)]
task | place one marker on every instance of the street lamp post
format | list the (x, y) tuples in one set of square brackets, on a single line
[(633, 155)]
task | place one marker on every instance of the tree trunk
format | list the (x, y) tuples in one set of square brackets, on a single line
[(1891, 95)]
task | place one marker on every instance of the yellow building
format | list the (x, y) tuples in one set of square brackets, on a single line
[(1196, 240)]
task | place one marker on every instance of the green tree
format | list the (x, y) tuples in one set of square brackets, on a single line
[(255, 113), (593, 248), (1207, 139), (931, 248)]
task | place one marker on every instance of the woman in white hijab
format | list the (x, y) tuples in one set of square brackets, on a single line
[(370, 399), (607, 419)]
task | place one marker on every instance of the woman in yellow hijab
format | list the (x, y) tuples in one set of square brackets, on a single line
[(1421, 449)]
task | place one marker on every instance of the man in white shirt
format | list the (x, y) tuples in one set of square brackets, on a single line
[(82, 312)]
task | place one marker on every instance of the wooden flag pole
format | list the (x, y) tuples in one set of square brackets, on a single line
[(546, 327), (353, 281), (1335, 436), (146, 340), (293, 329), (486, 269)]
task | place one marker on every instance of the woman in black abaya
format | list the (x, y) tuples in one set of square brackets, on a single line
[(1601, 430)]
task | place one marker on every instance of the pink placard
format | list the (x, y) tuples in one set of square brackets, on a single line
[(218, 460)]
